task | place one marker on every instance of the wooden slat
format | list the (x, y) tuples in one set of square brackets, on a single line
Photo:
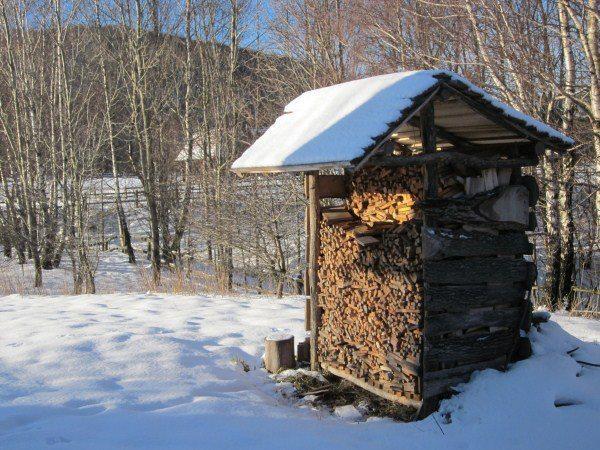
[(448, 322), (468, 349), (439, 382), (443, 243), (461, 298), (337, 216), (464, 369), (476, 270)]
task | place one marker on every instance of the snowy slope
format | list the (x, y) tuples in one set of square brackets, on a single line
[(151, 371), (335, 124)]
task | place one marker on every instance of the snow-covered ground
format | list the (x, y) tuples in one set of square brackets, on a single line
[(113, 275), (154, 371)]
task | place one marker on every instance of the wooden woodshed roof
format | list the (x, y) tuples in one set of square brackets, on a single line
[(338, 126)]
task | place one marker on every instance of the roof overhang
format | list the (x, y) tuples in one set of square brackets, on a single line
[(466, 119)]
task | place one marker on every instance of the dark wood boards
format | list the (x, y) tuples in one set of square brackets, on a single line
[(476, 270), (448, 322), (439, 381), (441, 243), (463, 298), (465, 368), (466, 349), (332, 186), (365, 241)]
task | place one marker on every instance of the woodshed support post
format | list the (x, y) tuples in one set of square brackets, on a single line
[(430, 186), (313, 251), (306, 273)]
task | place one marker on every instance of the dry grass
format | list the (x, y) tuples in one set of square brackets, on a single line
[(180, 281), (336, 392)]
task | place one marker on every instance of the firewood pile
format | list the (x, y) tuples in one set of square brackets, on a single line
[(370, 281), (385, 194), (377, 261)]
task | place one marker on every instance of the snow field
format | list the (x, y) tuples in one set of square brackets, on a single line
[(163, 372)]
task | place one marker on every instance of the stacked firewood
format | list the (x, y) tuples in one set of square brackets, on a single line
[(386, 194), (371, 298), (370, 282)]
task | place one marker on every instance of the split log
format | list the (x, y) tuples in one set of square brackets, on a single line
[(279, 352), (504, 208)]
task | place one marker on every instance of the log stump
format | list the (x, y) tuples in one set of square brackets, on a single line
[(279, 352)]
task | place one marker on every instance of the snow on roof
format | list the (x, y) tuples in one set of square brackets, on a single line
[(336, 124)]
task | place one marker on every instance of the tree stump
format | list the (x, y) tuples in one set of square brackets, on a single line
[(279, 352)]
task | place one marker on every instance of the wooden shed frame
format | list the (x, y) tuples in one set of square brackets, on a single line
[(501, 141)]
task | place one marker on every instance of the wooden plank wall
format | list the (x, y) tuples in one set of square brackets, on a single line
[(476, 280)]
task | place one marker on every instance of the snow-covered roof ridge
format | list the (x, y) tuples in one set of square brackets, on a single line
[(335, 125)]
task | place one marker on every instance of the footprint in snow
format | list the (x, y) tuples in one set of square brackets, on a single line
[(57, 440), (122, 337)]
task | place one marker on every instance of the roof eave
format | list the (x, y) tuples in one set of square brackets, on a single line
[(292, 168)]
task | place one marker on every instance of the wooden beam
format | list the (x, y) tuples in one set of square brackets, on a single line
[(428, 139), (430, 187), (307, 247), (313, 206), (453, 157), (403, 121), (367, 387), (446, 135), (294, 168)]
